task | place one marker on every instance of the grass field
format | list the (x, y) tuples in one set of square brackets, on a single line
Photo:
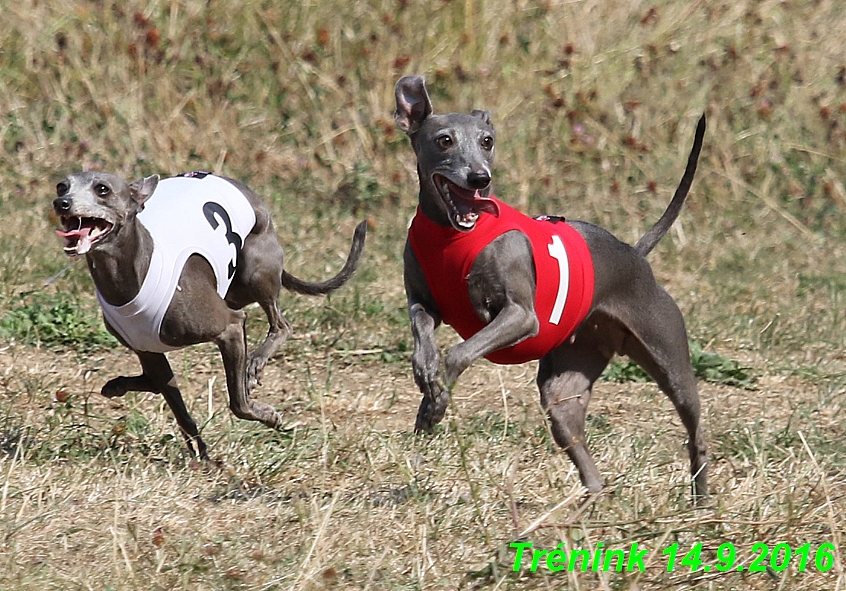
[(595, 105)]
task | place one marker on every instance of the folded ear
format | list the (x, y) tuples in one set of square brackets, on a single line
[(142, 189), (483, 115), (413, 104)]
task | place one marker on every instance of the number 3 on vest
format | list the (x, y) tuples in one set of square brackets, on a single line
[(557, 251), (209, 210)]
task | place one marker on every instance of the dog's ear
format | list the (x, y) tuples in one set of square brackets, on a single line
[(483, 115), (142, 189), (413, 104)]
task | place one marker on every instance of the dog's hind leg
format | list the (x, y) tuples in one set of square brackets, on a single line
[(279, 329), (232, 343), (267, 277), (158, 378), (259, 280), (658, 344), (565, 379)]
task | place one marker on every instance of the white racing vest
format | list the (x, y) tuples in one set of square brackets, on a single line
[(197, 213)]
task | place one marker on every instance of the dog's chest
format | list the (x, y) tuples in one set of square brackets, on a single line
[(562, 265)]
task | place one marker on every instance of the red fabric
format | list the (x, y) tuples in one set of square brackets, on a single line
[(447, 255)]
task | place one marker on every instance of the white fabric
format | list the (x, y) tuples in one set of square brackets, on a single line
[(174, 215)]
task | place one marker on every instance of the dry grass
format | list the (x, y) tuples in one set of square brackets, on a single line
[(595, 104)]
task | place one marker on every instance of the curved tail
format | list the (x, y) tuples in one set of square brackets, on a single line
[(323, 287), (648, 241)]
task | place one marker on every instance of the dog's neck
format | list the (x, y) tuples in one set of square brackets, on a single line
[(433, 212), (120, 266)]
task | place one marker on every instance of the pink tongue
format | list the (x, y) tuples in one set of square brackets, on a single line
[(74, 233), (486, 204), (83, 244)]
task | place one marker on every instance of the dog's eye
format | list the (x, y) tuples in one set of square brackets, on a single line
[(101, 189), (444, 142), (487, 143), (62, 189)]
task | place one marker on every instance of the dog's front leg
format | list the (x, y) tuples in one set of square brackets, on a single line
[(425, 363), (501, 287), (513, 324), (425, 360), (159, 379)]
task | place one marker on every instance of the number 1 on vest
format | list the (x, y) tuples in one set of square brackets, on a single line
[(559, 253)]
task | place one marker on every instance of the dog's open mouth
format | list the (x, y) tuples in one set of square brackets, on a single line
[(463, 205), (80, 234)]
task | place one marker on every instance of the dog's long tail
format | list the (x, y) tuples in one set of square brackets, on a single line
[(323, 287), (648, 241)]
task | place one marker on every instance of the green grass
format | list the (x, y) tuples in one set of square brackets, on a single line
[(595, 105), (55, 322)]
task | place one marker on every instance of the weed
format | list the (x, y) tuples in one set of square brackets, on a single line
[(709, 367), (624, 371), (716, 369)]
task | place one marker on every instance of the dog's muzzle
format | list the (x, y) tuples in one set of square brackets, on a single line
[(80, 233), (465, 205)]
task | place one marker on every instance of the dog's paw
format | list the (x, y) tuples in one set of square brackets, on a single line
[(425, 420), (272, 418), (429, 381), (114, 388), (254, 368), (431, 411), (263, 413)]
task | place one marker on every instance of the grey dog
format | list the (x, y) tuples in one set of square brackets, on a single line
[(101, 215), (628, 314)]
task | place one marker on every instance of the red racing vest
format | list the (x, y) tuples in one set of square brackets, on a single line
[(563, 268)]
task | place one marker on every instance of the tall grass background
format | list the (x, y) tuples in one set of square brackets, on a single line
[(595, 105)]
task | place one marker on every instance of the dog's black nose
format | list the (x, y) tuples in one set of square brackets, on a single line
[(62, 204), (479, 179)]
